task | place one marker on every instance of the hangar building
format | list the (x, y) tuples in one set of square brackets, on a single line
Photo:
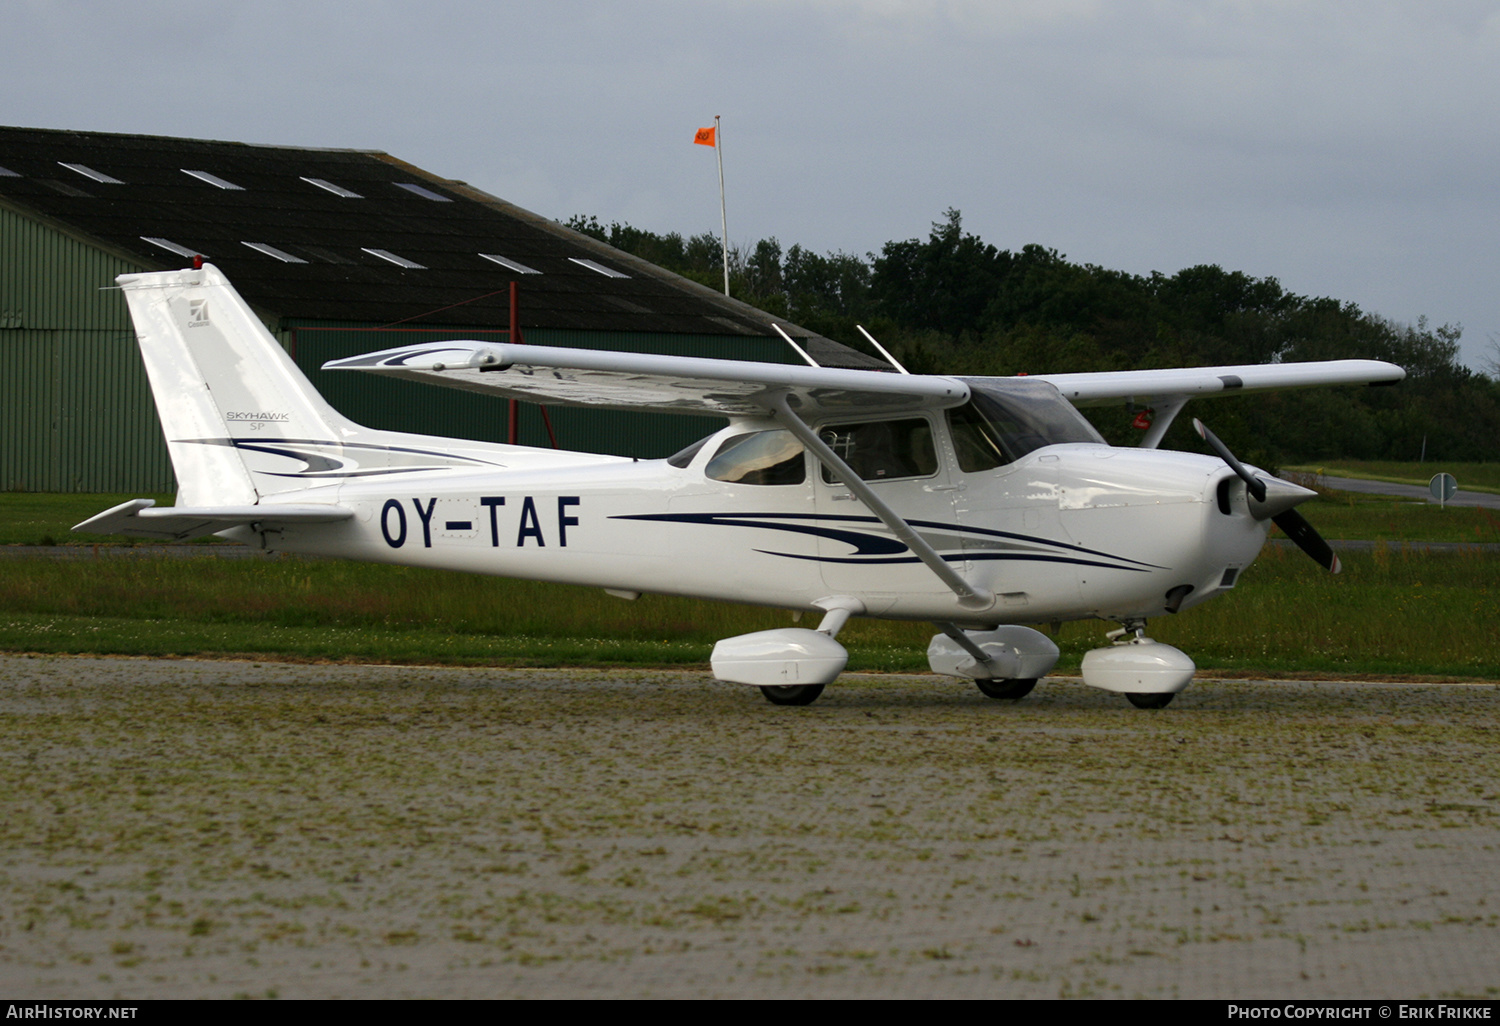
[(339, 252)]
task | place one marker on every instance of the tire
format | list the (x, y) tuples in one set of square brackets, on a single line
[(793, 694), (1018, 687), (1157, 701)]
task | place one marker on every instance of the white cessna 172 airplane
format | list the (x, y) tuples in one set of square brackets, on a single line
[(980, 504)]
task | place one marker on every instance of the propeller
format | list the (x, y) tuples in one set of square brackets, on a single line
[(1274, 498)]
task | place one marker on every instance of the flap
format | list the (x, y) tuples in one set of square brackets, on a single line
[(663, 384)]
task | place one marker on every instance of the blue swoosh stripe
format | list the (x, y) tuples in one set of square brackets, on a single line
[(1026, 557), (867, 545)]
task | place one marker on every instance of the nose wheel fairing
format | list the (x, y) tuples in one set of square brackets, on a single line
[(1137, 665)]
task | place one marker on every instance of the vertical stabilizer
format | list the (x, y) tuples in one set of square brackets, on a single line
[(225, 389)]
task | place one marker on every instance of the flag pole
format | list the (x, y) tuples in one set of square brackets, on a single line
[(723, 216)]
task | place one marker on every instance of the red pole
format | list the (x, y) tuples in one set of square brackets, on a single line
[(514, 339)]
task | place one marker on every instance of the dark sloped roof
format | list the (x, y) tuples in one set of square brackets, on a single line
[(396, 210)]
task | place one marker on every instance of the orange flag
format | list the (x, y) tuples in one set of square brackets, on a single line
[(704, 137)]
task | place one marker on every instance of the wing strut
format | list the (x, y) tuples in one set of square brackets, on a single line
[(1166, 412), (969, 596)]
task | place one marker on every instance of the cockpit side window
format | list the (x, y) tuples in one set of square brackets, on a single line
[(975, 441), (759, 458), (882, 450)]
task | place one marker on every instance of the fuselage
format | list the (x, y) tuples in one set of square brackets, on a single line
[(1066, 531)]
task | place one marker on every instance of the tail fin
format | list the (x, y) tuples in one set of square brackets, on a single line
[(223, 387)]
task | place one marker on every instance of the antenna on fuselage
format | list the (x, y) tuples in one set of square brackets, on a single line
[(800, 351), (889, 358)]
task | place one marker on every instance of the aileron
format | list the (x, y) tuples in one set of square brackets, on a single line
[(1145, 386)]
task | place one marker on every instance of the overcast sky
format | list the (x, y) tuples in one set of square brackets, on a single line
[(1348, 149)]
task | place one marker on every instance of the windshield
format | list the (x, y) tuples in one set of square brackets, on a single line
[(1005, 419)]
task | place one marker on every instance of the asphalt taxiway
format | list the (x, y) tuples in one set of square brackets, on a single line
[(180, 828)]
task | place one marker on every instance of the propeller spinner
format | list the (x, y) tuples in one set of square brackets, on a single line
[(1274, 498)]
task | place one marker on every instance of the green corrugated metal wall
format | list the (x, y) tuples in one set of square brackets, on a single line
[(75, 410), (76, 413)]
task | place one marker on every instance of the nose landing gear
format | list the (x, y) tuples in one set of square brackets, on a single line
[(1146, 672)]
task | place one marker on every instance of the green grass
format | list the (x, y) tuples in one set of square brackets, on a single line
[(44, 518), (1355, 517), (1391, 612), (1476, 477), (113, 635), (330, 609)]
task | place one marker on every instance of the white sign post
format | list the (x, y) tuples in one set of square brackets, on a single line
[(1442, 486)]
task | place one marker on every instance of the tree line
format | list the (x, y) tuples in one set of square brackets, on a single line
[(954, 304)]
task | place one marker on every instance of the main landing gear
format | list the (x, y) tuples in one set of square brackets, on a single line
[(771, 660), (1012, 689)]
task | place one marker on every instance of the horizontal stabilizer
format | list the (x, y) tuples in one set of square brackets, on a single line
[(139, 518)]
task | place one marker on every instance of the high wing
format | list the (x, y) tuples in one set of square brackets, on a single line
[(681, 384), (662, 384), (137, 519), (1166, 392), (1148, 386)]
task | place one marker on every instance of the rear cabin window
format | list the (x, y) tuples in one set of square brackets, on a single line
[(882, 450), (683, 457), (759, 458)]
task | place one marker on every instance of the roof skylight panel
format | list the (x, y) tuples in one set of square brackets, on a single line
[(88, 172), (325, 254), (65, 188), (399, 261), (514, 265), (625, 304), (171, 247), (274, 253), (214, 180), (337, 190), (426, 194), (608, 272)]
